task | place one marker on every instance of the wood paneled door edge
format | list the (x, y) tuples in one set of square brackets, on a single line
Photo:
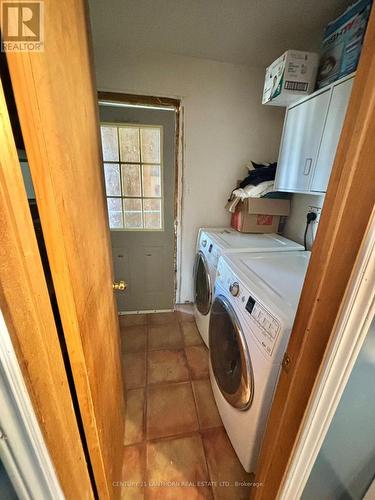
[(57, 107), (25, 304), (346, 213)]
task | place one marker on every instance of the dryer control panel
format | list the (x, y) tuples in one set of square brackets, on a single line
[(265, 327), (268, 326)]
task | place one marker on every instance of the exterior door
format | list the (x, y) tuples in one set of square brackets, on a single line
[(139, 165), (57, 106)]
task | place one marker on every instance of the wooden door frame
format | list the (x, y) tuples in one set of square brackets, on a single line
[(345, 218), (25, 304), (350, 332), (169, 102)]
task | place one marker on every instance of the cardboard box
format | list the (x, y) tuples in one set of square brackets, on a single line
[(259, 215), (342, 43), (290, 77)]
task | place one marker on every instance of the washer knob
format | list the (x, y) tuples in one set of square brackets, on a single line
[(204, 243), (234, 289)]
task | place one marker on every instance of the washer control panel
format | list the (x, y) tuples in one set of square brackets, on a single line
[(210, 251)]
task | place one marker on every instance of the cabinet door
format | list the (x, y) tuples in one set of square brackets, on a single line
[(302, 133), (331, 135)]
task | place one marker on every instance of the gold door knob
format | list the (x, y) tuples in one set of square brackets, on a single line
[(119, 285)]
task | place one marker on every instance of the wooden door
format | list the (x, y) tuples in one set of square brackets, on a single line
[(57, 106), (25, 304)]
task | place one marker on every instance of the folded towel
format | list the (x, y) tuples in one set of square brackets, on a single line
[(249, 191), (259, 190)]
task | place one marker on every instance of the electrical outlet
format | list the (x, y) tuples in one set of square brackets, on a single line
[(317, 211)]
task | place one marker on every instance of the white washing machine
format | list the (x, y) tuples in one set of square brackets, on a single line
[(255, 302), (212, 243)]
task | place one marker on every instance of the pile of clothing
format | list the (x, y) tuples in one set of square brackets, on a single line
[(258, 183)]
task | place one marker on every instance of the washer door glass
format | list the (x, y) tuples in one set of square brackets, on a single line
[(202, 285), (229, 355)]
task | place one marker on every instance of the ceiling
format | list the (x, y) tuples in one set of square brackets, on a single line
[(252, 32)]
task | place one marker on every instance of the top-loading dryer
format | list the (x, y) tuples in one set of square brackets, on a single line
[(211, 244)]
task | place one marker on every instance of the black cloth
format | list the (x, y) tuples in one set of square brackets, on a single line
[(260, 174)]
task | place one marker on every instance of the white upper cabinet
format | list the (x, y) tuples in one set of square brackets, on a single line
[(332, 130), (311, 133), (300, 143)]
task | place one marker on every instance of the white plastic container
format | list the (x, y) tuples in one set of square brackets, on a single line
[(290, 77)]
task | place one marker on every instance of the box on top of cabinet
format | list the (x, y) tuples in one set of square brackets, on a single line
[(342, 43), (290, 77)]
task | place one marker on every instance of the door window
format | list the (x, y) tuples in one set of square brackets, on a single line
[(132, 161)]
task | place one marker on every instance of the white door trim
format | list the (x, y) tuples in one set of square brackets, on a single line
[(22, 447), (350, 332)]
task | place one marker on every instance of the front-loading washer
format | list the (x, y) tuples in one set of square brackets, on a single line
[(211, 244), (255, 301)]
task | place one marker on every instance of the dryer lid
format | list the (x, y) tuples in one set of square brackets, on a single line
[(231, 239), (283, 272)]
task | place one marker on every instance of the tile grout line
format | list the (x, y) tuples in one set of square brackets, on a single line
[(197, 413), (200, 431)]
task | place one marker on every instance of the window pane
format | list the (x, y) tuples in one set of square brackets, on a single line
[(112, 179), (109, 143), (151, 181), (114, 213), (131, 180), (150, 140), (152, 214), (129, 144), (133, 213)]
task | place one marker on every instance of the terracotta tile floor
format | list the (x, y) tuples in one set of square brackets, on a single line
[(175, 445)]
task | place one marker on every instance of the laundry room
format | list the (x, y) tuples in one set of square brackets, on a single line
[(205, 168), (247, 161)]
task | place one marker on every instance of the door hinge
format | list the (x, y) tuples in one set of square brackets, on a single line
[(286, 362)]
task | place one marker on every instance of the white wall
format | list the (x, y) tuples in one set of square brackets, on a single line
[(225, 126), (345, 465), (296, 222)]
